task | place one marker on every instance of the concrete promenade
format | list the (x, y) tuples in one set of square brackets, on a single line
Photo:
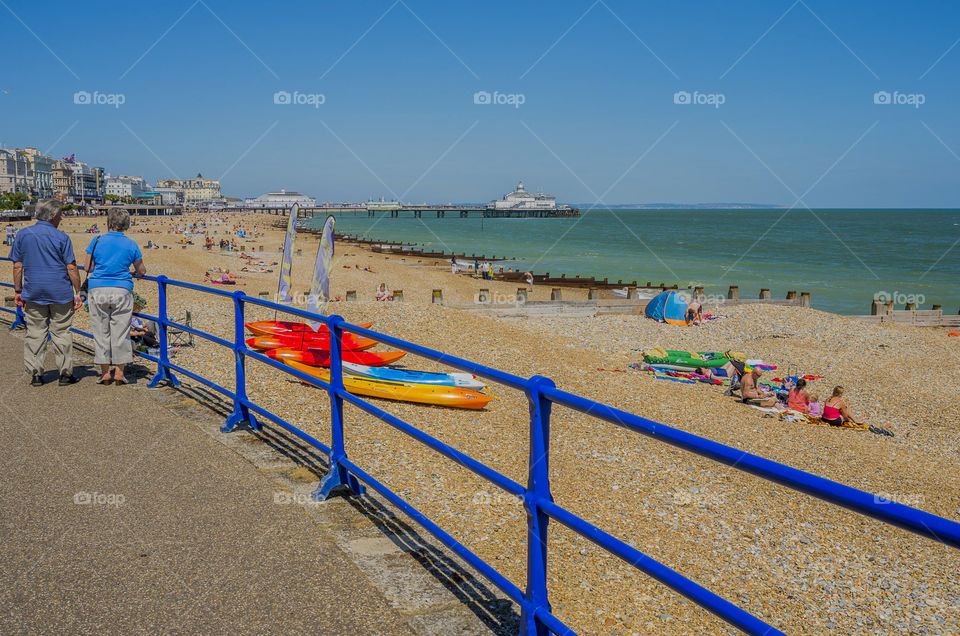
[(119, 516)]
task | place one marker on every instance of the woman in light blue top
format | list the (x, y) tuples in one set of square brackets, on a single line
[(111, 296)]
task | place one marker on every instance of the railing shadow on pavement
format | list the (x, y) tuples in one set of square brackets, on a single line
[(498, 614), (542, 394)]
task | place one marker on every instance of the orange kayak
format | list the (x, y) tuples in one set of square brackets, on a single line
[(321, 358), (436, 394), (284, 327), (308, 341)]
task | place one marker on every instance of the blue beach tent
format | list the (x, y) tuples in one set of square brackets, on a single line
[(668, 306)]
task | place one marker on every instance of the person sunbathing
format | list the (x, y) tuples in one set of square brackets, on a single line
[(752, 393), (835, 410)]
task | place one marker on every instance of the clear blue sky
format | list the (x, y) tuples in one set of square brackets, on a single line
[(797, 79)]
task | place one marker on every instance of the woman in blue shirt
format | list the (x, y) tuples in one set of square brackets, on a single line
[(111, 296)]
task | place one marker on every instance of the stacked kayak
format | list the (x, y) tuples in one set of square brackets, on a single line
[(321, 358), (282, 327), (305, 341), (364, 372), (436, 394), (464, 380)]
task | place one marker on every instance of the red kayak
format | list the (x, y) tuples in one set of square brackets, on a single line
[(284, 327), (321, 358), (309, 341)]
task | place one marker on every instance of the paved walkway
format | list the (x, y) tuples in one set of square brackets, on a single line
[(118, 516)]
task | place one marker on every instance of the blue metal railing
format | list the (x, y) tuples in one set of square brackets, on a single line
[(542, 394)]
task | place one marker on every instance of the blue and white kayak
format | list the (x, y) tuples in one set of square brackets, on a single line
[(463, 380)]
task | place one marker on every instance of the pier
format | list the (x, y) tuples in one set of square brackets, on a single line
[(418, 211)]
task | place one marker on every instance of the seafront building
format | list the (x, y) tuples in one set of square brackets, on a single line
[(520, 199), (281, 199), (125, 186), (41, 166), (15, 172), (87, 181), (197, 190)]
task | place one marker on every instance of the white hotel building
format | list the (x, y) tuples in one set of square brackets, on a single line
[(124, 186), (282, 199)]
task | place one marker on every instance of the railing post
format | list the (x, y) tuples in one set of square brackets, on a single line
[(18, 320), (337, 477), (241, 413), (538, 487), (163, 366)]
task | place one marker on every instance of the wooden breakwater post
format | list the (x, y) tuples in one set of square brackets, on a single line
[(633, 294), (764, 294), (556, 294), (521, 295), (805, 299), (936, 307), (264, 295), (351, 295), (698, 295), (483, 297), (398, 295), (437, 297), (911, 307), (733, 293), (791, 295), (593, 294)]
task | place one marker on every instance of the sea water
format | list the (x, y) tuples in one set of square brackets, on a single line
[(844, 258)]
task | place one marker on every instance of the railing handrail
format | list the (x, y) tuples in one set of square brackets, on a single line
[(541, 392)]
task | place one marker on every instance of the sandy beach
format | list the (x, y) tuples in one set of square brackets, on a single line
[(798, 563)]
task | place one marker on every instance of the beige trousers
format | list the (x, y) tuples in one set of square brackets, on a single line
[(41, 320), (111, 309)]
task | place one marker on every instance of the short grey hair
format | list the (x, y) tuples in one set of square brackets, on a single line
[(118, 220), (47, 209)]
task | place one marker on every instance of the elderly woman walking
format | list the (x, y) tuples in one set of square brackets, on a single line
[(111, 296)]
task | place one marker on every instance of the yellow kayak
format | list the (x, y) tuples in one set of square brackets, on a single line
[(439, 395)]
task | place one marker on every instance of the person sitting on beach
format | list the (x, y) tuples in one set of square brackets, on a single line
[(752, 394), (383, 294), (798, 399), (694, 313), (143, 332), (835, 411)]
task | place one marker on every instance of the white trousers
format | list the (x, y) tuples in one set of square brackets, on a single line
[(111, 309)]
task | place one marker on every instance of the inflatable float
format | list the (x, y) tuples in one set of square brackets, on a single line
[(438, 395)]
